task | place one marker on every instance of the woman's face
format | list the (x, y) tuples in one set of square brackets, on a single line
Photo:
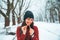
[(28, 21)]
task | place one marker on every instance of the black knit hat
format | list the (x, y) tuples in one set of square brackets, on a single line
[(28, 14)]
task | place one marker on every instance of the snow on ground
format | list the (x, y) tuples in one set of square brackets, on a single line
[(47, 31), (6, 37)]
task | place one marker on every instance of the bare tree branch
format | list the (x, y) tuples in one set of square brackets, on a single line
[(13, 9), (2, 13), (27, 6), (4, 8), (24, 3), (15, 5), (8, 8), (15, 13), (20, 6)]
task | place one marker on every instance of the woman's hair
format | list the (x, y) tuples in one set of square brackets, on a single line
[(28, 28)]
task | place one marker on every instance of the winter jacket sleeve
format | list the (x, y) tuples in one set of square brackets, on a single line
[(36, 37), (19, 37)]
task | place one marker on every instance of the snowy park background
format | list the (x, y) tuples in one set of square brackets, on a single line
[(47, 18), (47, 31)]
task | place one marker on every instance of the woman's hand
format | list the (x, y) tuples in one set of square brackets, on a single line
[(24, 29), (31, 31)]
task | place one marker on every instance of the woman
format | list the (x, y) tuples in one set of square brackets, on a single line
[(27, 31)]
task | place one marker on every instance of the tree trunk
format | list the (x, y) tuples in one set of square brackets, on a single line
[(13, 19), (7, 21), (59, 19), (50, 15), (59, 16), (18, 20), (53, 19)]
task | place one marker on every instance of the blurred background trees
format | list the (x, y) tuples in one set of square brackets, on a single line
[(53, 11), (12, 9)]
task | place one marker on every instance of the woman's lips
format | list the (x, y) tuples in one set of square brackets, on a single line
[(28, 23)]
